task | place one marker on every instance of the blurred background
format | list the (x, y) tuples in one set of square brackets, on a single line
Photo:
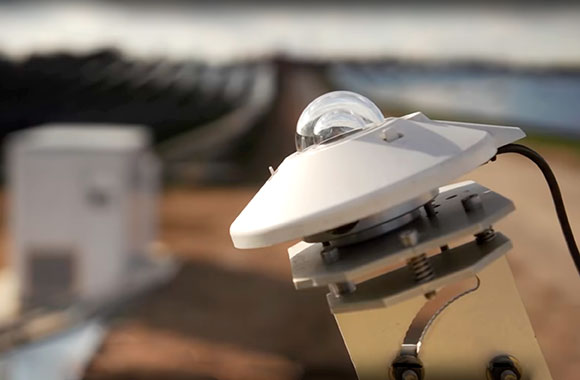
[(221, 86)]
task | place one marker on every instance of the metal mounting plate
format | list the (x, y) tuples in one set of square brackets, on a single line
[(451, 266), (462, 340), (359, 262)]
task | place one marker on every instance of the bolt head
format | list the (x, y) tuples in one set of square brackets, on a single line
[(390, 134), (485, 236), (504, 367), (409, 375), (509, 375), (405, 366), (409, 238), (330, 255), (472, 202), (341, 288), (430, 295)]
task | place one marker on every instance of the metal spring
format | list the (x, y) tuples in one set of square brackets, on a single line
[(421, 268)]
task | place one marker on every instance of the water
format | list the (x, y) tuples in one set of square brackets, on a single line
[(546, 101)]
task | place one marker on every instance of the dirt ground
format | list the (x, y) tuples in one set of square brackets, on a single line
[(228, 314), (234, 315)]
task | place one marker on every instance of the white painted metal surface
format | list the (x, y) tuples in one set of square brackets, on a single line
[(82, 201), (362, 174)]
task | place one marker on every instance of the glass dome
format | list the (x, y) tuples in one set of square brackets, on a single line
[(333, 115)]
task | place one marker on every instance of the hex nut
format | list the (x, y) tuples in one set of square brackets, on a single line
[(504, 367), (405, 366)]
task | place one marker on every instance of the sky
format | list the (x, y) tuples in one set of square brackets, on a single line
[(531, 36)]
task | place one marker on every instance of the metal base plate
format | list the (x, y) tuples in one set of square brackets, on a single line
[(359, 262), (462, 340), (451, 266)]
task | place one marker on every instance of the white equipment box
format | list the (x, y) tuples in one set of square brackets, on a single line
[(83, 204)]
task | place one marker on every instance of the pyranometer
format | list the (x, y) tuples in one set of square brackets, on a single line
[(352, 163), (382, 228)]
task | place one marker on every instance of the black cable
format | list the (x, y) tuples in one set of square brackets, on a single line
[(556, 194)]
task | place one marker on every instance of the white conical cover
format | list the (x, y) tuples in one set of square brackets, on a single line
[(365, 173)]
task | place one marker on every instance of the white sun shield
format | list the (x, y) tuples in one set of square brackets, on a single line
[(363, 173)]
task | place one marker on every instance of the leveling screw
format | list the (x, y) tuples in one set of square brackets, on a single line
[(419, 265), (329, 254), (341, 288)]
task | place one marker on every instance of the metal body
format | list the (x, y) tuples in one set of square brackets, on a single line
[(387, 315), (368, 259), (462, 340)]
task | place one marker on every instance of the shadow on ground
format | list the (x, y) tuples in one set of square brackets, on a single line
[(223, 316)]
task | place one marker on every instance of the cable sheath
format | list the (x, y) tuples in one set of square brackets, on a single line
[(554, 190)]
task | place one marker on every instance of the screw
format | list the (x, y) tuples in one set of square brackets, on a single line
[(390, 135), (485, 236), (410, 375), (430, 295), (341, 288), (409, 238), (329, 255), (508, 375), (422, 271), (472, 202), (430, 210), (406, 367), (421, 268), (504, 367), (419, 265)]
